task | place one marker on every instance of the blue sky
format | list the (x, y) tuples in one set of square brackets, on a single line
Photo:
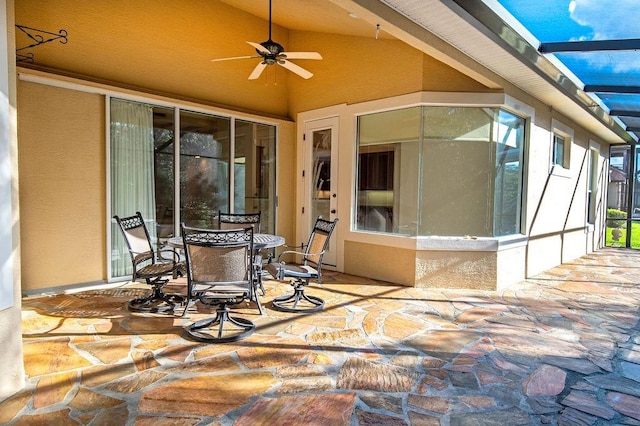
[(562, 20), (570, 20)]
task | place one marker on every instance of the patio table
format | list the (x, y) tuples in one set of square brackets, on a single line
[(260, 241)]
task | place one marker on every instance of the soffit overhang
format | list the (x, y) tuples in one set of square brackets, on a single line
[(460, 32)]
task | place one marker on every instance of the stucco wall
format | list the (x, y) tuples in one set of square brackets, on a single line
[(62, 186), (383, 263), (167, 47), (12, 378), (478, 270), (357, 69), (285, 177), (556, 208)]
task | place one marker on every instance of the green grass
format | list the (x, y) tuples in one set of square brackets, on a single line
[(620, 242)]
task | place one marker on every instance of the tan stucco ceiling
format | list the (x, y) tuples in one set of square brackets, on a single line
[(320, 16)]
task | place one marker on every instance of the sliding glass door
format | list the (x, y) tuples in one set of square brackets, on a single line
[(164, 136), (132, 173), (174, 166), (254, 183), (204, 168)]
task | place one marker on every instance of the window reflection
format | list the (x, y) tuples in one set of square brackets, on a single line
[(204, 168), (446, 171)]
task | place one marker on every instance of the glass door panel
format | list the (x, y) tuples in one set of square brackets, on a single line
[(621, 162), (164, 168), (321, 174), (204, 168), (322, 161), (254, 183), (131, 175)]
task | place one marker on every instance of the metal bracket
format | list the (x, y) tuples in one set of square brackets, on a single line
[(38, 37)]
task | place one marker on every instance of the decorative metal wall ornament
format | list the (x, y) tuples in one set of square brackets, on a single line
[(38, 37)]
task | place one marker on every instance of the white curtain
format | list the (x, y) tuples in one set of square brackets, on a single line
[(132, 174)]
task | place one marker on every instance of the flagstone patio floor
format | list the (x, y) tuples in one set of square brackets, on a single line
[(561, 348)]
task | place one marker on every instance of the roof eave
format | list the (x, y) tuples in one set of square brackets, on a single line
[(484, 36)]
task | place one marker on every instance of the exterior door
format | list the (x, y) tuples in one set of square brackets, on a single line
[(321, 176), (623, 197)]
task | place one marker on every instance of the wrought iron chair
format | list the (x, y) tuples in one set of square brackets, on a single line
[(239, 220), (310, 268), (243, 220), (219, 274), (150, 266)]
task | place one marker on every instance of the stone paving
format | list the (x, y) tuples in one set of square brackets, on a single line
[(562, 348)]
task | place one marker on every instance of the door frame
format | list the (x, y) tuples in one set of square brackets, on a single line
[(304, 190)]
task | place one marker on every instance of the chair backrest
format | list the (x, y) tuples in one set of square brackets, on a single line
[(218, 256), (239, 220), (136, 236), (319, 241)]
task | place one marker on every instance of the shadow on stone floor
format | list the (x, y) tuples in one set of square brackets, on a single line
[(560, 348)]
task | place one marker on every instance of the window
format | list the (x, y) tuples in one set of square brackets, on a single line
[(221, 164), (558, 151), (562, 137), (446, 171)]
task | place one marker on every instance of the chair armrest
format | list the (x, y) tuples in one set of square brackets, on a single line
[(175, 256), (300, 246), (301, 253), (141, 257)]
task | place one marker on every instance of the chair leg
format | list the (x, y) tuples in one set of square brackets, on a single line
[(253, 296), (215, 330), (257, 300), (262, 291), (290, 303), (158, 301)]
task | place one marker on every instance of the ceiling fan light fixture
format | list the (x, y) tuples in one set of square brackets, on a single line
[(273, 53), (273, 47)]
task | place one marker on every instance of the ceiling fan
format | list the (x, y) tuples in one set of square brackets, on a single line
[(273, 53)]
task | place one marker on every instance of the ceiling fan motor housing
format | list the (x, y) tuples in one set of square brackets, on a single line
[(274, 50)]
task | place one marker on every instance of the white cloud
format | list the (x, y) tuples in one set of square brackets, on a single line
[(610, 20)]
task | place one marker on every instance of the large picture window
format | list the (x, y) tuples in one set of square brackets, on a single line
[(216, 163), (440, 171)]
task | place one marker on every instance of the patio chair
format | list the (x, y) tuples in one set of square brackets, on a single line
[(151, 266), (219, 274), (239, 220), (311, 268), (243, 220)]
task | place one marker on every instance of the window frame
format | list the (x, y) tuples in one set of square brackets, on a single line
[(557, 140), (359, 218), (593, 186), (560, 130)]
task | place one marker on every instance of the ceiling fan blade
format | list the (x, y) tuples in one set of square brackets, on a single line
[(302, 55), (295, 68), (257, 71), (259, 47), (234, 57)]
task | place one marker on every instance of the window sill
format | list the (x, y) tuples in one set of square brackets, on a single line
[(435, 243), (470, 243), (560, 171)]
